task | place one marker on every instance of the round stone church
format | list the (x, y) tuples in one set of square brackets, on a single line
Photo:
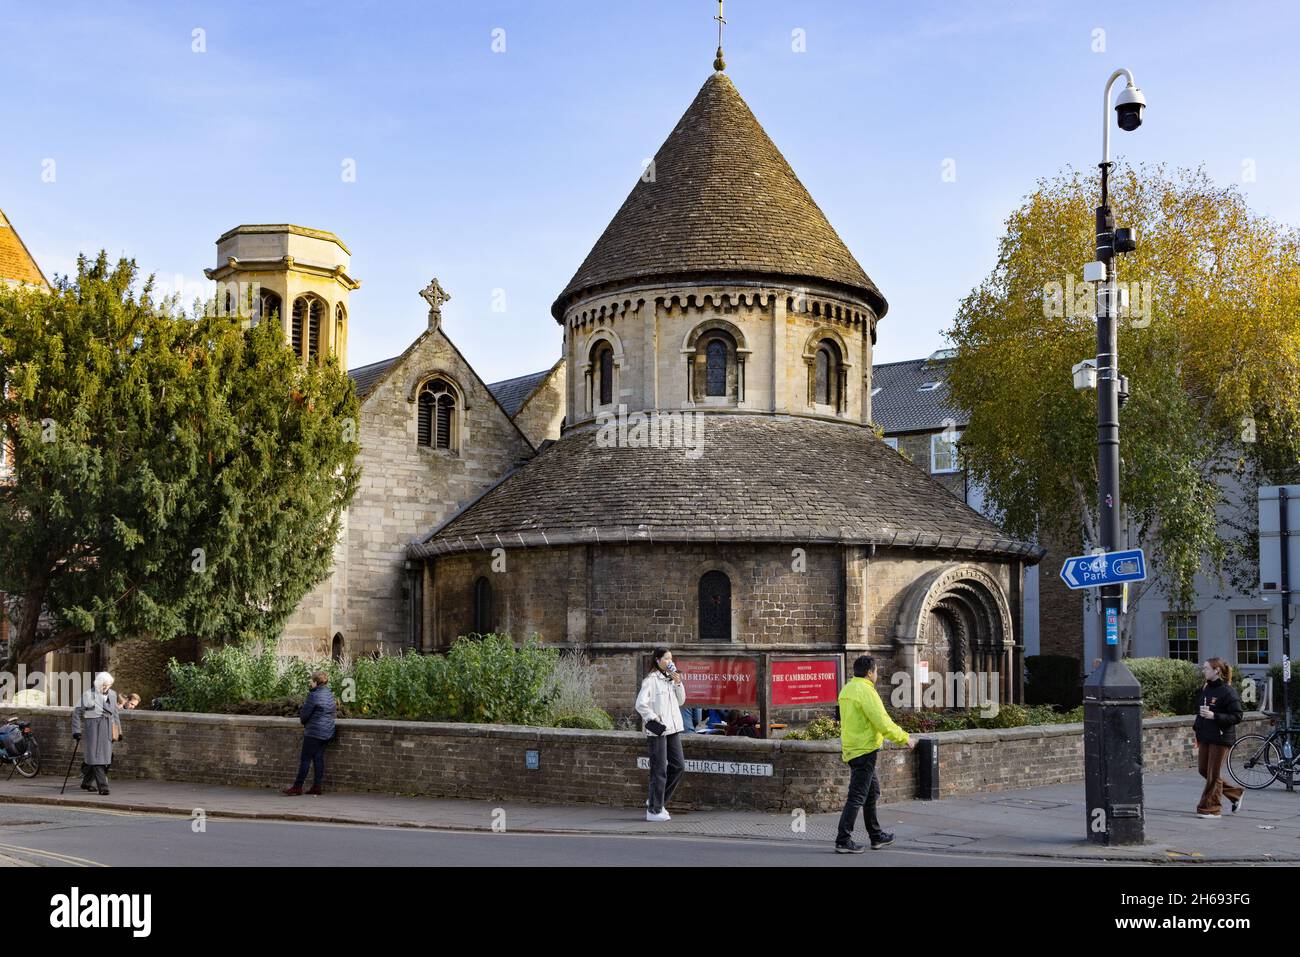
[(717, 486)]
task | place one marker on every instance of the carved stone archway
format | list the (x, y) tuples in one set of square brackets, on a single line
[(978, 631)]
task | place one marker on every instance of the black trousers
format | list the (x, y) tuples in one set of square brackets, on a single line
[(313, 752), (94, 774), (666, 767), (864, 791)]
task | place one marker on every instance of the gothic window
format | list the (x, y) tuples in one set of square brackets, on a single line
[(268, 306), (436, 423), (484, 624), (715, 607), (340, 320), (715, 367), (307, 312), (604, 362)]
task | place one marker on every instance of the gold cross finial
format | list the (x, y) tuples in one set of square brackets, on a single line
[(718, 63)]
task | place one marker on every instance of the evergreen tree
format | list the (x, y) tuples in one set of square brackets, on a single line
[(168, 474)]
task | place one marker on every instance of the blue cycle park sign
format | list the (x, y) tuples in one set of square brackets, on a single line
[(1105, 568)]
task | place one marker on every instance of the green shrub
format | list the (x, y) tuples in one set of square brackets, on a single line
[(1053, 680), (819, 729), (230, 674), (489, 680), (1168, 685), (593, 719), (1275, 678), (571, 696), (482, 679)]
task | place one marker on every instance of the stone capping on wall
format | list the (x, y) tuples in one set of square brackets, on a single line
[(451, 760)]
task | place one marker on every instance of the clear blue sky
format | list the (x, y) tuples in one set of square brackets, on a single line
[(499, 170)]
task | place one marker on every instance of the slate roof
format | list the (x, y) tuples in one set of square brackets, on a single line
[(723, 200), (365, 378), (902, 406), (758, 478), (16, 263), (513, 393)]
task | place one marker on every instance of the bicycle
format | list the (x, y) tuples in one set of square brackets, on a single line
[(1255, 761), (18, 747)]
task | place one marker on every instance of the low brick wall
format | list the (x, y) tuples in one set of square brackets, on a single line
[(487, 762)]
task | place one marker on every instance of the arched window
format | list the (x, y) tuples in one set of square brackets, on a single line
[(336, 646), (715, 606), (436, 425), (603, 361), (827, 375), (715, 367), (606, 375), (307, 312), (340, 321), (484, 622), (268, 306)]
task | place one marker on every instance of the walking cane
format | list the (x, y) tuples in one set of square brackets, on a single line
[(70, 760)]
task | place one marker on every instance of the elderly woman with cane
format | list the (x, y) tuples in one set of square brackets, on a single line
[(95, 723)]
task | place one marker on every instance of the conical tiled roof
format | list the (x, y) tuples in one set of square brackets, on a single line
[(722, 200)]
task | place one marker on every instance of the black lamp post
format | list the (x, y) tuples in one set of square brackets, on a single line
[(1112, 698)]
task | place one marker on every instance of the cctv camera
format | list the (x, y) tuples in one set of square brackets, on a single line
[(1129, 106)]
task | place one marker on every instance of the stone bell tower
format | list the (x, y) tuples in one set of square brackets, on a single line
[(297, 274)]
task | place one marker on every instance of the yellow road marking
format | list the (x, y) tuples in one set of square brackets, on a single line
[(52, 855)]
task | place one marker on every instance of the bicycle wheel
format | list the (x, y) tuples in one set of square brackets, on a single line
[(1254, 761), (29, 765)]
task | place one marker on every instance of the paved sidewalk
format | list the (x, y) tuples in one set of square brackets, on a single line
[(1035, 823)]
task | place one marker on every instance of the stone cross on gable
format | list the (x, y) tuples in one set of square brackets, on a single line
[(435, 296)]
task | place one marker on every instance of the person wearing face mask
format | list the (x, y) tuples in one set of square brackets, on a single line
[(1217, 716), (659, 703)]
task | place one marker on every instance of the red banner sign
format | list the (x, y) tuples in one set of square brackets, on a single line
[(811, 681), (719, 682)]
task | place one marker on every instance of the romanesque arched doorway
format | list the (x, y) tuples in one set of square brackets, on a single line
[(957, 620)]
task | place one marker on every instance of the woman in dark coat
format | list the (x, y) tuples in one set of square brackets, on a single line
[(95, 723), (1217, 716), (317, 716)]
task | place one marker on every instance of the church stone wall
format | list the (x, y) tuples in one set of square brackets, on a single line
[(543, 414), (405, 491), (649, 328)]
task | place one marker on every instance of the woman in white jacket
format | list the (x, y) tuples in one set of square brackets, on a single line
[(659, 703)]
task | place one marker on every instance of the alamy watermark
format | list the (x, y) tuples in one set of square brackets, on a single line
[(962, 690), (651, 430)]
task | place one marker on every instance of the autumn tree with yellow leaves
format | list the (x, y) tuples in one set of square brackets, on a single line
[(1209, 341)]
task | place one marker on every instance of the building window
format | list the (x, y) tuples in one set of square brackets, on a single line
[(715, 368), (891, 441), (436, 425), (305, 328), (340, 321), (484, 623), (268, 306), (602, 361), (1252, 637), (943, 451), (1181, 634), (715, 607)]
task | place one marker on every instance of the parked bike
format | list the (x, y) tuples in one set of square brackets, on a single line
[(1256, 760), (18, 746)]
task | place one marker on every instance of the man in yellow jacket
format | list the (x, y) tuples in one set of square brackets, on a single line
[(864, 724)]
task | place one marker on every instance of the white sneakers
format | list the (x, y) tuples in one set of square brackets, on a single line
[(1236, 805), (661, 816)]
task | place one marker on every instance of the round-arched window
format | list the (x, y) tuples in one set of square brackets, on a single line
[(715, 606)]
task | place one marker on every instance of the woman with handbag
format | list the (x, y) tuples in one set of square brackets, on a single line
[(659, 703), (317, 716), (96, 724)]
